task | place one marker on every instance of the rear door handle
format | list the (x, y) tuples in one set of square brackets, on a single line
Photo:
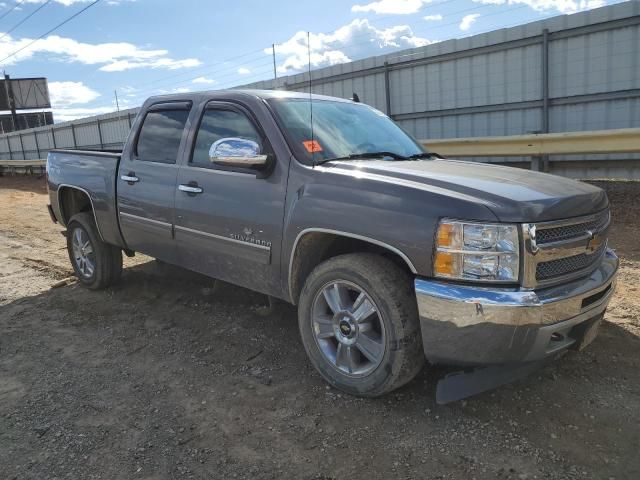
[(130, 178), (190, 188)]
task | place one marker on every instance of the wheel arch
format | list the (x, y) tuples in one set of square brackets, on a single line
[(72, 200), (313, 246)]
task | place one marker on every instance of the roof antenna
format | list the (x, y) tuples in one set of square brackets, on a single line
[(313, 142), (355, 98)]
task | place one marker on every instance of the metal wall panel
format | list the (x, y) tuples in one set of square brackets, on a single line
[(484, 85), (475, 125), (113, 131), (87, 136), (29, 142), (45, 140), (64, 137), (598, 62)]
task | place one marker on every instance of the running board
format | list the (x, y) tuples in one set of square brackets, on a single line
[(466, 383)]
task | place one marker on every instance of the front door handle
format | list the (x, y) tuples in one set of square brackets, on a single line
[(191, 188), (130, 178)]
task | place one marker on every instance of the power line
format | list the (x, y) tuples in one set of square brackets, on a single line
[(16, 5), (206, 67), (67, 20), (141, 89), (25, 19)]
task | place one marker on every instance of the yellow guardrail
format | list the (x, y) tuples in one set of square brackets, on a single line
[(625, 140), (22, 166), (23, 163)]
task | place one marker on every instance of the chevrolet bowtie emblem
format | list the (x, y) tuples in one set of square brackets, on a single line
[(532, 244), (594, 242)]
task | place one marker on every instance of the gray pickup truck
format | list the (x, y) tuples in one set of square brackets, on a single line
[(393, 254)]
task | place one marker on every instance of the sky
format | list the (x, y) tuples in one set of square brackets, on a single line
[(140, 48)]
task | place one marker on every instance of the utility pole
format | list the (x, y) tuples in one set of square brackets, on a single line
[(117, 103), (275, 74), (11, 101)]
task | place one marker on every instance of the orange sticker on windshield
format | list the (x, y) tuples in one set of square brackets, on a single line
[(312, 146)]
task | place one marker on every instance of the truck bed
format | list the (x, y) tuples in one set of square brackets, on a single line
[(95, 173)]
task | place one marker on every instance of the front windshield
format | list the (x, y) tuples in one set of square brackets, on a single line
[(340, 129)]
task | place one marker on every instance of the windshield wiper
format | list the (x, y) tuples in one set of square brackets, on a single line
[(359, 156), (419, 156)]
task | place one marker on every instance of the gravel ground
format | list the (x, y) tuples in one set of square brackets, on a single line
[(167, 376)]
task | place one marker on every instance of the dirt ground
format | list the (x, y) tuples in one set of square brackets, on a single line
[(165, 377)]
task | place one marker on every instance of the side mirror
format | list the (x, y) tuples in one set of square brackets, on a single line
[(237, 152)]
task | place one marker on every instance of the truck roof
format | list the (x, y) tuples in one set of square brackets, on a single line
[(239, 93)]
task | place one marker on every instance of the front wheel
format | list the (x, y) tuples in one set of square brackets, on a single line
[(95, 263), (359, 324)]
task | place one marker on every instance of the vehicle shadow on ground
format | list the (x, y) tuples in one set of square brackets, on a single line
[(190, 298)]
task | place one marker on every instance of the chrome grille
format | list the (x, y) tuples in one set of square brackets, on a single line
[(564, 266), (563, 250), (566, 232)]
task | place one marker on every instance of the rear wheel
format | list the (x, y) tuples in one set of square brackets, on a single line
[(96, 264), (359, 324)]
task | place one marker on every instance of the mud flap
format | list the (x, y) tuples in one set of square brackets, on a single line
[(458, 385)]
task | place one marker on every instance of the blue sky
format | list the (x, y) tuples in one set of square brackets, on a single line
[(146, 47)]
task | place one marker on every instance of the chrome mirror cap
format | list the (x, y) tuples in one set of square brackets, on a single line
[(237, 152)]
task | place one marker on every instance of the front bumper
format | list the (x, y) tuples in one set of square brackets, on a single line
[(467, 325)]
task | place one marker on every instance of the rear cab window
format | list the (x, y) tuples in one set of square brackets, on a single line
[(161, 133)]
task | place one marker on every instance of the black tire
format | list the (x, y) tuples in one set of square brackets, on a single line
[(391, 290), (106, 259)]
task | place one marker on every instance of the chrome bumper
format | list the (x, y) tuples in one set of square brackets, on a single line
[(466, 325)]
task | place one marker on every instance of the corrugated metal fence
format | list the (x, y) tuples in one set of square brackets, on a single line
[(567, 73), (103, 132)]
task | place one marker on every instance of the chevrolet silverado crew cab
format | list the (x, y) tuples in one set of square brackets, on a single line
[(392, 254)]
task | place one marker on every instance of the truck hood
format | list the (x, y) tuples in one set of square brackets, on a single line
[(512, 194)]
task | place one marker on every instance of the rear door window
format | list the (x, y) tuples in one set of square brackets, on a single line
[(160, 135)]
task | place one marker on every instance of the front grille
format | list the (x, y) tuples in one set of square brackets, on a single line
[(567, 265), (564, 249), (567, 232)]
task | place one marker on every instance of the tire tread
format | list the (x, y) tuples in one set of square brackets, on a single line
[(394, 289), (108, 257)]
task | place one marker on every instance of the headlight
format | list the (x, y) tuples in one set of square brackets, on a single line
[(480, 252)]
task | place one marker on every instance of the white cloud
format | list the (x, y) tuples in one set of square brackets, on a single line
[(64, 94), (165, 91), (243, 71), (203, 80), (359, 38), (128, 90), (113, 57), (432, 17), (468, 20), (166, 63), (68, 114), (562, 6), (398, 7)]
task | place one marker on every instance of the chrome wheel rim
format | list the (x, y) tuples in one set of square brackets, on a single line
[(83, 254), (348, 328)]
